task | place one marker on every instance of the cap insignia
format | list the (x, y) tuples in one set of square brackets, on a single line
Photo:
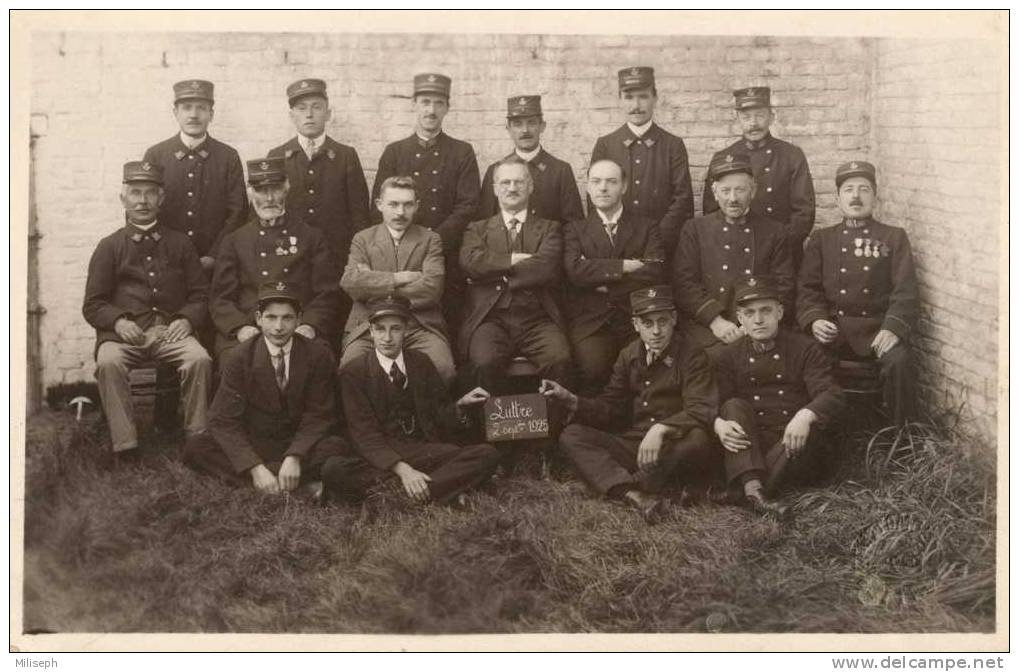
[(853, 165), (280, 287), (752, 282), (431, 78), (146, 166), (195, 85), (264, 165), (728, 158), (751, 93), (304, 85), (522, 101), (634, 71), (651, 293)]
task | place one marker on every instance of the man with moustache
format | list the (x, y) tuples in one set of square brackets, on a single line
[(555, 188), (398, 258), (269, 423), (146, 295), (400, 419), (857, 290), (649, 425), (446, 173), (609, 255), (272, 247), (203, 178), (731, 244), (777, 395), (513, 263), (327, 185), (785, 189), (655, 161)]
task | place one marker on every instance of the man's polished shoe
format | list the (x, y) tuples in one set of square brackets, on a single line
[(650, 507), (757, 503)]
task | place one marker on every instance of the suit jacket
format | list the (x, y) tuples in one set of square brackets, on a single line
[(658, 176), (861, 278), (485, 260), (592, 261), (369, 274), (144, 275), (328, 192), (712, 255), (555, 196), (795, 374), (678, 390), (205, 194), (369, 405), (785, 189), (446, 173), (291, 251), (254, 422)]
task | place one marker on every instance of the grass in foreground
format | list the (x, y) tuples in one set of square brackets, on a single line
[(900, 540)]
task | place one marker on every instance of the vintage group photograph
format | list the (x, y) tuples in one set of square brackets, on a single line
[(532, 329)]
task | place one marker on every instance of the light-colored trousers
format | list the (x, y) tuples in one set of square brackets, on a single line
[(113, 362), (417, 338)]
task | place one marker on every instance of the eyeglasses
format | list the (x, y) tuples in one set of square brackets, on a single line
[(505, 184)]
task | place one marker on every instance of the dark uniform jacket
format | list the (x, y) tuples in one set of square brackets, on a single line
[(254, 422), (795, 374), (446, 173), (329, 192), (252, 255), (145, 277), (678, 390), (593, 262), (485, 259), (862, 279), (785, 189), (555, 196), (205, 196), (658, 176), (370, 406), (712, 255)]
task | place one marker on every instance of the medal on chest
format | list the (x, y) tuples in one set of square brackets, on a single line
[(286, 246), (858, 242)]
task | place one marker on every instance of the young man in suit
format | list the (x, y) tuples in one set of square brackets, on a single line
[(608, 255), (513, 263), (398, 258), (270, 421), (399, 418)]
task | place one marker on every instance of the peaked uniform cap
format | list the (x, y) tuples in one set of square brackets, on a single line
[(193, 89), (306, 87)]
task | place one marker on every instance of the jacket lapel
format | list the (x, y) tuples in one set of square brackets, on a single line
[(495, 235), (383, 242), (599, 237), (297, 374), (624, 231), (532, 232), (264, 376), (411, 239)]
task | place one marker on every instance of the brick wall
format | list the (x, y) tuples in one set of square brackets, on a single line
[(105, 97), (938, 142)]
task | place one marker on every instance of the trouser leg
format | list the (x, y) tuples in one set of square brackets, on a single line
[(195, 368), (489, 351), (897, 382), (325, 449), (436, 348), (749, 463), (544, 343), (113, 364), (690, 457), (454, 469), (355, 350), (602, 460), (594, 355)]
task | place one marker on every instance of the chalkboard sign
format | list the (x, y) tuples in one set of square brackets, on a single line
[(515, 417)]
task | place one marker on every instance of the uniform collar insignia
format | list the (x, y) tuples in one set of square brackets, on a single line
[(627, 142), (179, 154), (203, 153), (542, 166), (287, 154), (331, 154), (136, 237), (156, 236), (648, 140), (667, 360)]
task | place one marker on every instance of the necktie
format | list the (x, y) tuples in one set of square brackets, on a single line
[(311, 149), (513, 224), (396, 375), (281, 369), (610, 228), (652, 357)]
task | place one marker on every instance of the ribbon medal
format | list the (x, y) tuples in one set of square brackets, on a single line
[(858, 242)]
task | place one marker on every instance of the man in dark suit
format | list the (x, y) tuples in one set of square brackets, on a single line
[(858, 292), (272, 246), (650, 422), (398, 416), (513, 263), (327, 185), (777, 396), (204, 181), (731, 244), (608, 255), (785, 189), (269, 423), (446, 172), (655, 161), (146, 295), (555, 188)]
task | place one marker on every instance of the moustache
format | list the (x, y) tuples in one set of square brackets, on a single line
[(856, 202)]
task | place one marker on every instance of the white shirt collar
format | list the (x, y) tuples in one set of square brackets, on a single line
[(190, 142), (274, 350), (424, 139), (397, 236), (527, 156), (387, 364), (614, 219), (521, 217), (146, 227), (305, 141), (639, 131)]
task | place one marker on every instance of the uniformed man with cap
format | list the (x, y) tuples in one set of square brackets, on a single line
[(273, 246), (608, 255), (146, 294), (857, 290), (327, 185), (655, 161), (446, 172), (650, 423), (785, 189), (731, 244), (204, 180), (270, 422), (776, 395), (401, 419), (555, 188)]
